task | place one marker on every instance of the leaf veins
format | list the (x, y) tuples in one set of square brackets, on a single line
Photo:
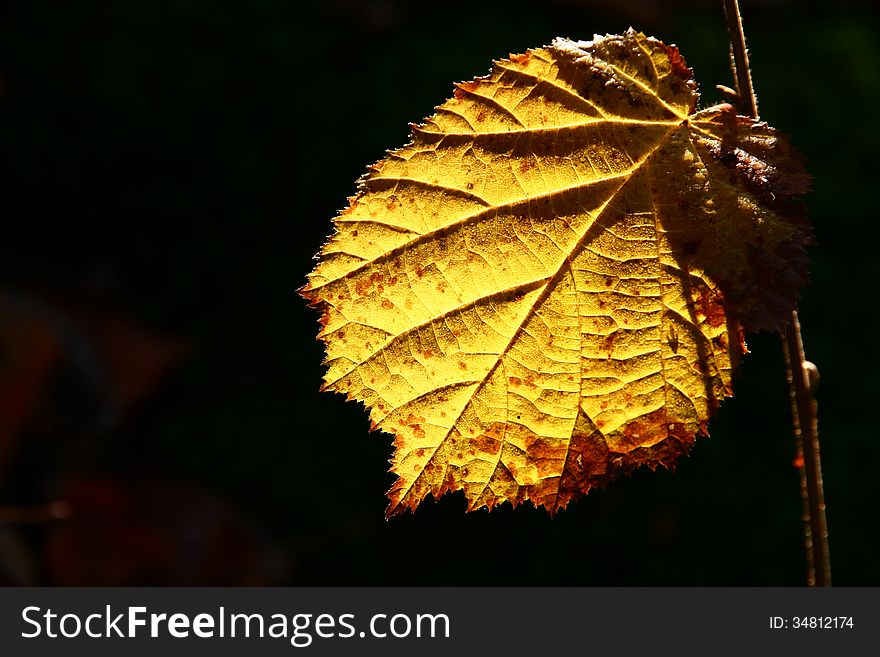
[(549, 285)]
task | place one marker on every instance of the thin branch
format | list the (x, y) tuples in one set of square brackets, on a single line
[(748, 102), (34, 515), (805, 421), (804, 407), (799, 463)]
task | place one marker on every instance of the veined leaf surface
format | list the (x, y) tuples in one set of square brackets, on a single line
[(549, 285)]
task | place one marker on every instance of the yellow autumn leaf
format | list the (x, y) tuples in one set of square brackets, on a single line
[(548, 286)]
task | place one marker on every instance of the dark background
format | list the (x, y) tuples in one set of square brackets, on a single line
[(168, 171)]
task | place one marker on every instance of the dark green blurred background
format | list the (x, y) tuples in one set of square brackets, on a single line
[(168, 171)]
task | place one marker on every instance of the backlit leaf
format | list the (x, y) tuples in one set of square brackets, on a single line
[(549, 285)]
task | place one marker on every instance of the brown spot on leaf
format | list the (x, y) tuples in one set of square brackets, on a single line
[(646, 430), (608, 344), (490, 442), (412, 419), (462, 89), (710, 304), (362, 286), (679, 66)]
